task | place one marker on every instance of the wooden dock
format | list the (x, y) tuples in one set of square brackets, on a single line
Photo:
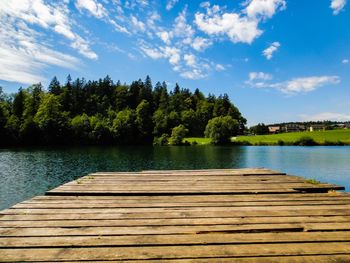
[(241, 215)]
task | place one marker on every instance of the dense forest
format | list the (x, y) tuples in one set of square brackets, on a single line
[(104, 112)]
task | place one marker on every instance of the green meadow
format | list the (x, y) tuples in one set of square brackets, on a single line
[(331, 137)]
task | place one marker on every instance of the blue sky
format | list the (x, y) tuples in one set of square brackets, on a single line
[(278, 60)]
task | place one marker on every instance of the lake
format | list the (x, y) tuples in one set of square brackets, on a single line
[(25, 173)]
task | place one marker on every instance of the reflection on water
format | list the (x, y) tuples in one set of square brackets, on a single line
[(28, 172)]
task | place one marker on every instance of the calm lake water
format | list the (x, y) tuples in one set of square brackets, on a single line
[(25, 173)]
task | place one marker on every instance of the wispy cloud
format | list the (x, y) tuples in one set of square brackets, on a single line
[(170, 4), (200, 43), (23, 56), (345, 61), (268, 52), (293, 86), (337, 6), (49, 17), (253, 76), (307, 84)]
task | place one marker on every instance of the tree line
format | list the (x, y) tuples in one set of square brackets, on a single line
[(105, 112)]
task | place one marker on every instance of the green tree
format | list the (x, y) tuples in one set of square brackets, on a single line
[(18, 104), (189, 120), (104, 112), (3, 121), (221, 129), (144, 121), (81, 128), (33, 100), (161, 123), (30, 133), (260, 129), (124, 127), (121, 97), (51, 119), (177, 135), (101, 132), (55, 87)]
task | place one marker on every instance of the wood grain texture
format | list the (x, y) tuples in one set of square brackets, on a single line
[(181, 216)]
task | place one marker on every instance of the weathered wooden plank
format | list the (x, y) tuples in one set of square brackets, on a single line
[(174, 252), (174, 221), (164, 230), (178, 214), (192, 185), (265, 259), (167, 230), (174, 192), (154, 240), (171, 209), (80, 205), (161, 178), (223, 197)]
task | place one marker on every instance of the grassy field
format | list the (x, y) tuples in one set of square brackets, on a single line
[(332, 137)]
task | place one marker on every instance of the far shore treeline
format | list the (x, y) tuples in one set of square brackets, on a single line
[(106, 112)]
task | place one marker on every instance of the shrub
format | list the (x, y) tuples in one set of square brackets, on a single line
[(305, 141), (221, 129), (177, 135), (186, 143), (280, 142), (162, 140)]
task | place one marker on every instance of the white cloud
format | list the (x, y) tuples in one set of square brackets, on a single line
[(93, 6), (293, 86), (140, 4), (23, 56), (200, 43), (205, 4), (268, 52), (345, 61), (50, 17), (190, 60), (259, 76), (236, 27), (187, 65), (193, 74), (66, 32), (118, 27), (137, 24), (307, 84), (258, 79), (181, 28), (170, 53), (152, 52), (264, 8), (219, 67), (165, 36), (153, 17), (170, 4), (83, 47), (325, 116), (337, 6)]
